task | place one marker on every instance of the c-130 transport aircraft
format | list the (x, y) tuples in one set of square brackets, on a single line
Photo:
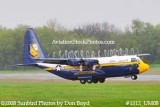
[(90, 70)]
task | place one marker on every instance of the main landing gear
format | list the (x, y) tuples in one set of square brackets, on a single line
[(134, 77), (82, 81), (101, 80)]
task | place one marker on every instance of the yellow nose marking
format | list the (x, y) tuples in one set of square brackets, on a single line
[(143, 67)]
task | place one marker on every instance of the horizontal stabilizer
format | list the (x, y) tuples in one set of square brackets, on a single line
[(139, 55), (31, 64), (52, 60)]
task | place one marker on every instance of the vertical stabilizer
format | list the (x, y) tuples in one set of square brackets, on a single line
[(32, 47)]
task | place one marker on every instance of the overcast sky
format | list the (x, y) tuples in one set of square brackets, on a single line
[(71, 13)]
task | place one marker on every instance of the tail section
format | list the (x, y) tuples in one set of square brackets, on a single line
[(32, 47)]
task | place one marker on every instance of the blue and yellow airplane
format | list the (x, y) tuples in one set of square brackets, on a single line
[(90, 70)]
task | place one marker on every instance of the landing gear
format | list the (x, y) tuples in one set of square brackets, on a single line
[(95, 81), (82, 81), (89, 81), (134, 77), (102, 80), (127, 76)]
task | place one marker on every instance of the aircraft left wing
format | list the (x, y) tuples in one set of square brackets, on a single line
[(53, 60), (31, 64), (66, 61)]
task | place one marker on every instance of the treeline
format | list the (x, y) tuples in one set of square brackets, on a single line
[(141, 36)]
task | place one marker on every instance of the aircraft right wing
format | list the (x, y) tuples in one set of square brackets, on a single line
[(53, 60), (66, 61)]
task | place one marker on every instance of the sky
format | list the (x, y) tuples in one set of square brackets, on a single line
[(72, 13)]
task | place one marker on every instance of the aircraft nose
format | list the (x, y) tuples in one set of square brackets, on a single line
[(146, 67), (143, 67)]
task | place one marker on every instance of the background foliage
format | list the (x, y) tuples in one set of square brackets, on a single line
[(144, 37)]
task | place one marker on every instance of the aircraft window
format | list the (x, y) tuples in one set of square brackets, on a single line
[(133, 60)]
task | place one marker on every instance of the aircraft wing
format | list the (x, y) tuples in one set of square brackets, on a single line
[(53, 60), (31, 64), (66, 61), (139, 55)]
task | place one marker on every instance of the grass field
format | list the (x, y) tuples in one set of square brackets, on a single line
[(109, 94)]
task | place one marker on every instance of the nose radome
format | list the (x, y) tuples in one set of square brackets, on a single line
[(143, 67)]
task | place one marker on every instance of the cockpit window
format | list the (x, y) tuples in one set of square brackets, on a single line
[(133, 60)]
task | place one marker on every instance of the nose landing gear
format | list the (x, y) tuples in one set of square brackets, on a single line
[(134, 77)]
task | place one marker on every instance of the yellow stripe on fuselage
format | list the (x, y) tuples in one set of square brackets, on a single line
[(48, 69), (103, 65), (71, 67), (118, 64)]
